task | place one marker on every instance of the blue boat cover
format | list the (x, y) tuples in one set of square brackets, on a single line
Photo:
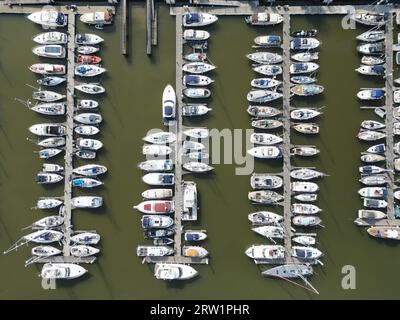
[(377, 93), (191, 79), (192, 18), (146, 222), (167, 178), (168, 111), (192, 237)]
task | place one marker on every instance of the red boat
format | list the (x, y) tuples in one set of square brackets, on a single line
[(88, 59), (156, 207)]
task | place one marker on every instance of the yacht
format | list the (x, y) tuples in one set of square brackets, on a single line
[(86, 202), (174, 271), (53, 37), (198, 19), (50, 51), (264, 19), (159, 179), (168, 104), (62, 271), (49, 18)]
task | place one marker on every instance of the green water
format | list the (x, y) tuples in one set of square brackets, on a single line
[(130, 108)]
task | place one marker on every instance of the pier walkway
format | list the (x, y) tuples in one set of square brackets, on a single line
[(26, 9), (124, 27)]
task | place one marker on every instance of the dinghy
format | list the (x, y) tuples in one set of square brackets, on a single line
[(88, 118), (264, 218), (265, 197), (270, 232), (197, 67), (371, 214), (87, 49), (159, 179), (82, 251), (303, 67), (50, 51), (265, 83), (305, 174), (156, 221), (90, 170), (91, 202), (53, 37), (265, 139), (156, 150), (268, 70), (194, 252), (196, 80), (262, 96), (264, 19), (305, 56), (305, 209), (372, 61), (51, 81), (197, 93), (263, 57), (85, 183), (266, 152), (266, 252), (306, 221), (87, 39), (90, 88), (373, 192), (197, 133), (156, 165), (168, 104), (63, 271), (307, 128), (305, 151), (154, 251), (376, 48), (307, 89), (47, 96), (49, 18), (88, 70), (197, 167), (48, 69), (372, 36), (268, 41), (266, 124), (265, 181), (48, 129), (195, 35), (49, 153), (156, 194), (191, 110), (174, 271), (160, 138), (86, 238), (304, 114), (304, 43), (198, 19), (86, 130)]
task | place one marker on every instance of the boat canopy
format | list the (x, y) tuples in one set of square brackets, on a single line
[(192, 18), (377, 93)]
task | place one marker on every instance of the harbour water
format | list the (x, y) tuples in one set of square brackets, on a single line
[(130, 108)]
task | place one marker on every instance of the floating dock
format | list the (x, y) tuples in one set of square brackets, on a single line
[(124, 27)]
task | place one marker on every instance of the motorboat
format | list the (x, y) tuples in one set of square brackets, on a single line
[(264, 57), (372, 158), (265, 139), (303, 67), (191, 110), (168, 104), (384, 232), (371, 36), (265, 181), (369, 135), (266, 124), (52, 37), (195, 35), (306, 56), (49, 18), (372, 180), (304, 114), (305, 253), (372, 61), (264, 19), (50, 51), (82, 251), (304, 33), (86, 183), (156, 150), (88, 118), (372, 125), (156, 221), (86, 238), (158, 233), (371, 169), (197, 93), (302, 79), (304, 187), (90, 170), (87, 104), (371, 214), (89, 144), (97, 18), (197, 133), (378, 148), (86, 154), (305, 209), (52, 142), (197, 167), (159, 179), (374, 203), (88, 70), (87, 49), (268, 41), (194, 236), (88, 59), (90, 88), (306, 221), (163, 241), (270, 232), (262, 96), (306, 128), (196, 57), (266, 152), (50, 109), (289, 271), (48, 129), (156, 165), (265, 83), (197, 67), (373, 192), (86, 130), (87, 39), (305, 174), (48, 222), (266, 252), (47, 96), (307, 89), (265, 218), (194, 252), (154, 251), (160, 137), (198, 19), (304, 240), (375, 48), (306, 197), (196, 80), (369, 18), (265, 197), (268, 70), (189, 145), (44, 236), (52, 167), (304, 43), (86, 202), (198, 155), (51, 81), (174, 271), (262, 111), (375, 70), (49, 153), (48, 68), (156, 194), (65, 271), (305, 151)]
